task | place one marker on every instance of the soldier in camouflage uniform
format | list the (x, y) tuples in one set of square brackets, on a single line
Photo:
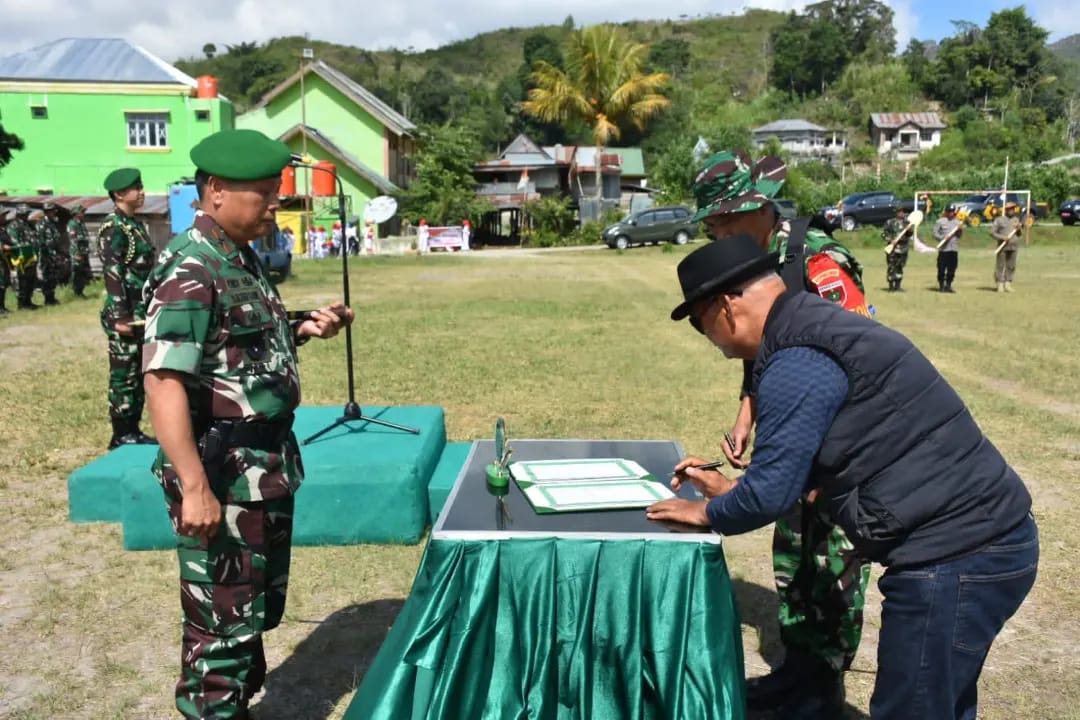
[(820, 580), (127, 256), (5, 263), (222, 383), (897, 237), (80, 250), (48, 249), (23, 256), (1006, 233)]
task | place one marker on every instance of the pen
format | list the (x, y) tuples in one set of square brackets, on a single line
[(706, 466), (730, 441)]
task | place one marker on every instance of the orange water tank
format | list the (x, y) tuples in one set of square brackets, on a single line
[(322, 179), (288, 181), (207, 87)]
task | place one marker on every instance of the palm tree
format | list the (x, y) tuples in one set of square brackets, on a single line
[(9, 143), (603, 86)]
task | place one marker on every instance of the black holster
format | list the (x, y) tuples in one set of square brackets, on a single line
[(221, 436)]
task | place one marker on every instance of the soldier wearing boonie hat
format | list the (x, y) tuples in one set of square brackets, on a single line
[(80, 250), (48, 251), (23, 242), (220, 363), (820, 580)]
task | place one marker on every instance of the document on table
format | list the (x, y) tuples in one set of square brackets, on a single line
[(553, 486)]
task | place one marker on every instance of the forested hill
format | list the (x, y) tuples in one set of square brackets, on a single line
[(1001, 88), (1067, 47)]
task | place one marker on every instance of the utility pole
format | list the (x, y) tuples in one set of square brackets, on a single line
[(305, 54)]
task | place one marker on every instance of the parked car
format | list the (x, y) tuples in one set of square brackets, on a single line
[(653, 225), (275, 253), (787, 209), (1070, 211), (868, 208)]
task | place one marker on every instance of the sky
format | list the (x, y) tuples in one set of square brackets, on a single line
[(175, 30)]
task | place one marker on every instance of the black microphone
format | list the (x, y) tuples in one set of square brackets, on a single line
[(298, 159)]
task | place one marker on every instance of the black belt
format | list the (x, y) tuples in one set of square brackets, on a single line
[(266, 435)]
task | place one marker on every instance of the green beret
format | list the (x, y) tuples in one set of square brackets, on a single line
[(241, 155), (122, 179)]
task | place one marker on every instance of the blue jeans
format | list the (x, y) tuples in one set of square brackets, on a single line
[(937, 624)]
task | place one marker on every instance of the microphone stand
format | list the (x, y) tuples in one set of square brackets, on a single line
[(352, 411)]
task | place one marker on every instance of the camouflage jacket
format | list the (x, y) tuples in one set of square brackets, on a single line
[(892, 228), (818, 242), (80, 241), (214, 317), (48, 239), (127, 256), (21, 235), (1004, 226)]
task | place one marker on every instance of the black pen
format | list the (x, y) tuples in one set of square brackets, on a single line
[(706, 466), (730, 441)]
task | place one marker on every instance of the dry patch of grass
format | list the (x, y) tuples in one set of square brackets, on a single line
[(562, 344)]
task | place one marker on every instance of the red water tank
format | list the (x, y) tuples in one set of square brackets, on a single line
[(288, 181), (207, 87), (322, 179)]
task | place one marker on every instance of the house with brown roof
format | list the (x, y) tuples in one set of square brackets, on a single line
[(905, 135)]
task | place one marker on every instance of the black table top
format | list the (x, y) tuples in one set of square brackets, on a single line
[(473, 509)]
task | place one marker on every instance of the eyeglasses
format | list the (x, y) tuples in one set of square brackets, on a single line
[(695, 321)]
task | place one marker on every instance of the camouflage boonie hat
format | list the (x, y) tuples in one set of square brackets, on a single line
[(48, 206), (731, 183), (78, 210), (22, 209)]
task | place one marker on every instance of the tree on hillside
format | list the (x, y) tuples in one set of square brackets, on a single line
[(209, 49), (670, 55), (9, 143), (443, 191), (603, 86)]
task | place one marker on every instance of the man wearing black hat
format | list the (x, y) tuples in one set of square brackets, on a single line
[(947, 232), (853, 418), (222, 383), (127, 255)]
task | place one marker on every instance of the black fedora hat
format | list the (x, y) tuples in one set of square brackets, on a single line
[(719, 266)]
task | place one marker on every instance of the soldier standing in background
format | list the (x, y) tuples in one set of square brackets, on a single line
[(23, 256), (80, 250), (948, 229), (5, 263), (128, 257), (1006, 231), (896, 234), (48, 247), (222, 385)]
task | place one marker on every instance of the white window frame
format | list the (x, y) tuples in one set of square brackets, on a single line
[(147, 129)]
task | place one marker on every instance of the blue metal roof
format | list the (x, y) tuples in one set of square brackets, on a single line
[(110, 60)]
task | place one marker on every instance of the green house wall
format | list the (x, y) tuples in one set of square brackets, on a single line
[(84, 137), (358, 190), (330, 112)]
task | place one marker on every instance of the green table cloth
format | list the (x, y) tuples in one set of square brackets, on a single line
[(583, 616)]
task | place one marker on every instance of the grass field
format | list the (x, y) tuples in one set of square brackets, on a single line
[(562, 344)]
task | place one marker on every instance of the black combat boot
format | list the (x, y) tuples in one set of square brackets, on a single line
[(786, 682), (822, 698), (3, 302), (126, 432), (50, 299), (948, 288), (141, 438)]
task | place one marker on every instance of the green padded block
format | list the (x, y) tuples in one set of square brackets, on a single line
[(145, 515), (446, 474), (95, 489), (363, 483)]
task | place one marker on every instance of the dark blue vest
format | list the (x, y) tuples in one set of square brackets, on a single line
[(905, 470)]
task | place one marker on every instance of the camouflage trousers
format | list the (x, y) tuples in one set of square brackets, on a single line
[(126, 394), (232, 589), (894, 266), (80, 273), (48, 274), (26, 280), (822, 583), (5, 272)]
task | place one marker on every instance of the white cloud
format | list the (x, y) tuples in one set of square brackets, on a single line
[(177, 29), (905, 21), (1060, 18)]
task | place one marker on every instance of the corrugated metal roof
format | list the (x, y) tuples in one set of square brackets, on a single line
[(522, 161), (382, 112), (928, 120), (111, 60), (585, 160), (790, 125), (156, 205), (334, 149), (633, 161), (562, 154)]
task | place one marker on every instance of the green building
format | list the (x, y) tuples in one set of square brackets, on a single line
[(85, 106), (321, 112)]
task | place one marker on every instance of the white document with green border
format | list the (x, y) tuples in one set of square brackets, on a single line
[(555, 486)]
